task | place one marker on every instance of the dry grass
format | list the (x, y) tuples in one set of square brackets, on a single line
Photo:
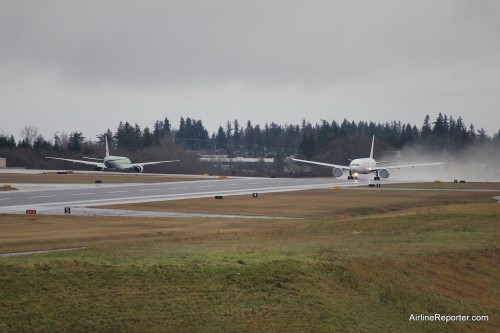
[(396, 254), (87, 178), (37, 232), (316, 203), (20, 233), (449, 186)]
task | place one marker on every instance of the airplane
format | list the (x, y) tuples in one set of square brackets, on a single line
[(119, 163), (365, 166)]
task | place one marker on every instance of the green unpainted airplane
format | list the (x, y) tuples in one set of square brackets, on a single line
[(119, 163)]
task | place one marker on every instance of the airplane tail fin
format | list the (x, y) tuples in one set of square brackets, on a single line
[(107, 148), (371, 151)]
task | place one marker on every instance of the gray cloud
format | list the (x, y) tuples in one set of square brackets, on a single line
[(367, 57)]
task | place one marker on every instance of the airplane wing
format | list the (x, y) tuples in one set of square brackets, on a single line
[(384, 162), (140, 165), (323, 164), (157, 162), (407, 166), (96, 164)]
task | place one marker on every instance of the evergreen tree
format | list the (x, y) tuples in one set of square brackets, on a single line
[(128, 137), (481, 135), (180, 135), (324, 134), (308, 145), (40, 143), (167, 127), (148, 138), (110, 137), (249, 135), (407, 136), (471, 134), (439, 126), (426, 127), (461, 130), (496, 136), (237, 134), (75, 141), (6, 142), (221, 139), (229, 131)]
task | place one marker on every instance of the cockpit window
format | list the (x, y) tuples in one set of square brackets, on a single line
[(355, 164)]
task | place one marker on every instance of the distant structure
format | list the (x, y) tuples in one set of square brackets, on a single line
[(242, 165), (226, 159), (3, 162)]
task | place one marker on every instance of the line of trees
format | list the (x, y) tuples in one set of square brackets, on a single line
[(250, 140)]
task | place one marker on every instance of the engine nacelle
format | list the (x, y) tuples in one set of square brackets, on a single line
[(138, 168), (384, 173), (337, 172)]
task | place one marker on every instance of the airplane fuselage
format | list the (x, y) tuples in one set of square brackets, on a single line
[(362, 166), (116, 162)]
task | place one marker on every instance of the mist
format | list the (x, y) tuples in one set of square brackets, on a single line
[(477, 163)]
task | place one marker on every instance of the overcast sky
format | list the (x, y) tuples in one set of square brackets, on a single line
[(87, 65)]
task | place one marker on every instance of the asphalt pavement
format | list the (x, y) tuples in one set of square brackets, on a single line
[(59, 196)]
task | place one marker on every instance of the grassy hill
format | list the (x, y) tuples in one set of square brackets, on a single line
[(354, 262)]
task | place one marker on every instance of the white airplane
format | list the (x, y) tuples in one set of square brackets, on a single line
[(365, 166), (119, 163)]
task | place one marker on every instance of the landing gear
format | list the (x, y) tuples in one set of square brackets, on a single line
[(376, 176), (351, 177)]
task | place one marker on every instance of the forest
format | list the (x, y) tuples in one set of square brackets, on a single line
[(333, 141)]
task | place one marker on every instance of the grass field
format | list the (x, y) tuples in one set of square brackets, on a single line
[(87, 178), (449, 185), (354, 262)]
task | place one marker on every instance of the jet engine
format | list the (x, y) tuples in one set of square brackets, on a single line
[(337, 172), (138, 168), (384, 173)]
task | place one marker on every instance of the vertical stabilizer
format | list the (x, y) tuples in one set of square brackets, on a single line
[(107, 148), (371, 151)]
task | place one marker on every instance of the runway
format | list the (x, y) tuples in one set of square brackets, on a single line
[(57, 197), (53, 198)]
